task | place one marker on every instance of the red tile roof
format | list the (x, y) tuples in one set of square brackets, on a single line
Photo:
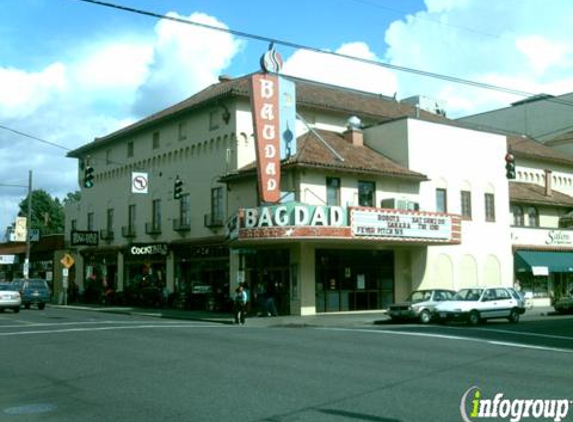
[(529, 193)]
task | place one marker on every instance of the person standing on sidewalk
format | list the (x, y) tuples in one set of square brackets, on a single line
[(239, 308)]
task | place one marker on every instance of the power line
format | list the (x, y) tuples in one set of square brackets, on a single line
[(435, 21), (34, 137), (290, 44)]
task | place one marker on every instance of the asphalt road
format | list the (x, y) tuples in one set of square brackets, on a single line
[(65, 365)]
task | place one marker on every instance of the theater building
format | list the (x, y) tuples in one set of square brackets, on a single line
[(371, 207)]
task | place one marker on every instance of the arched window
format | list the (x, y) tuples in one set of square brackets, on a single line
[(517, 212), (533, 217)]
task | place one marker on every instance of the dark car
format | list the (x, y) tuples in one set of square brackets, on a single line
[(34, 291), (420, 304)]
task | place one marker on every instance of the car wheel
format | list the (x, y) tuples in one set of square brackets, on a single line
[(27, 306), (41, 306), (514, 316), (16, 310), (425, 316), (474, 318)]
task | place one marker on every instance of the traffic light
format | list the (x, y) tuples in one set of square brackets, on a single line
[(509, 166), (178, 188), (89, 177)]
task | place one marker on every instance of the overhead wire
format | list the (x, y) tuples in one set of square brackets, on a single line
[(294, 45)]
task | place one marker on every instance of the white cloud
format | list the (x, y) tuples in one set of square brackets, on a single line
[(186, 58), (510, 43), (343, 72), (95, 92), (21, 92)]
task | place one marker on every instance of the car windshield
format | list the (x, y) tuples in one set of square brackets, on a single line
[(6, 287), (36, 284), (468, 294), (419, 296)]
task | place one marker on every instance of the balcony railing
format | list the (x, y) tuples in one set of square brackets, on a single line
[(105, 234), (128, 231), (181, 225), (153, 228), (213, 220)]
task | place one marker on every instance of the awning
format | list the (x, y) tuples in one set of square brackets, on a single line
[(541, 262)]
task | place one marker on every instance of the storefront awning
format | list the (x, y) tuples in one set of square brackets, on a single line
[(554, 262)]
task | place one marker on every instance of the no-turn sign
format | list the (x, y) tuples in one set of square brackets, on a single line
[(139, 182)]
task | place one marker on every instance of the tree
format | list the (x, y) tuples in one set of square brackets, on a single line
[(47, 212), (72, 197)]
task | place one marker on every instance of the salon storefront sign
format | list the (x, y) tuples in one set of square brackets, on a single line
[(295, 220)]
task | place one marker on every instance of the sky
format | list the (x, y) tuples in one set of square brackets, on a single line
[(71, 71)]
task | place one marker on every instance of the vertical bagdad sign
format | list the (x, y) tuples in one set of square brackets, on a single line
[(274, 117)]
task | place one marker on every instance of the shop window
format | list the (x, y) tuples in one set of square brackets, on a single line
[(466, 205), (489, 207), (332, 191), (517, 212), (366, 192), (441, 200), (532, 217)]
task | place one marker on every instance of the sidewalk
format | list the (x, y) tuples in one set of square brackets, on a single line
[(339, 319), (321, 320)]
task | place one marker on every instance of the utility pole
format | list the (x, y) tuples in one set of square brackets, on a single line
[(28, 226)]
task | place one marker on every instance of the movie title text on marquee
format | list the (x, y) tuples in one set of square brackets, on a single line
[(381, 223)]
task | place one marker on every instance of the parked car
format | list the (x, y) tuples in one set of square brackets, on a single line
[(419, 304), (475, 305), (9, 298), (34, 291), (564, 304)]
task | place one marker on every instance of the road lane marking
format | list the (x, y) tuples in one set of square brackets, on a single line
[(57, 324), (89, 329), (451, 337), (524, 333)]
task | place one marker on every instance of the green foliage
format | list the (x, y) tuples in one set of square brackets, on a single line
[(47, 212), (72, 197)]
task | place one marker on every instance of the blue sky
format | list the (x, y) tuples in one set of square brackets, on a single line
[(71, 71)]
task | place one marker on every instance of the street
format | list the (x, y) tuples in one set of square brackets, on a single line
[(69, 365)]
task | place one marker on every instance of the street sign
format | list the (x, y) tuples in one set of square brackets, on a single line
[(67, 261)]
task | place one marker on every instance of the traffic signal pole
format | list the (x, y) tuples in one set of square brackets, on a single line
[(28, 226)]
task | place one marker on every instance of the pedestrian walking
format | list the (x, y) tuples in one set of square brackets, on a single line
[(239, 308)]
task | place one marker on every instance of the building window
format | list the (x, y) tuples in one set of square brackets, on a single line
[(517, 212), (131, 218), (155, 140), (214, 119), (156, 219), (130, 149), (217, 204), (533, 217), (332, 191), (182, 131), (489, 207), (109, 224), (90, 221), (366, 191), (185, 210), (466, 205), (441, 200)]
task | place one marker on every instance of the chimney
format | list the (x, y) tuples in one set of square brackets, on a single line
[(353, 132), (548, 190), (225, 78)]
